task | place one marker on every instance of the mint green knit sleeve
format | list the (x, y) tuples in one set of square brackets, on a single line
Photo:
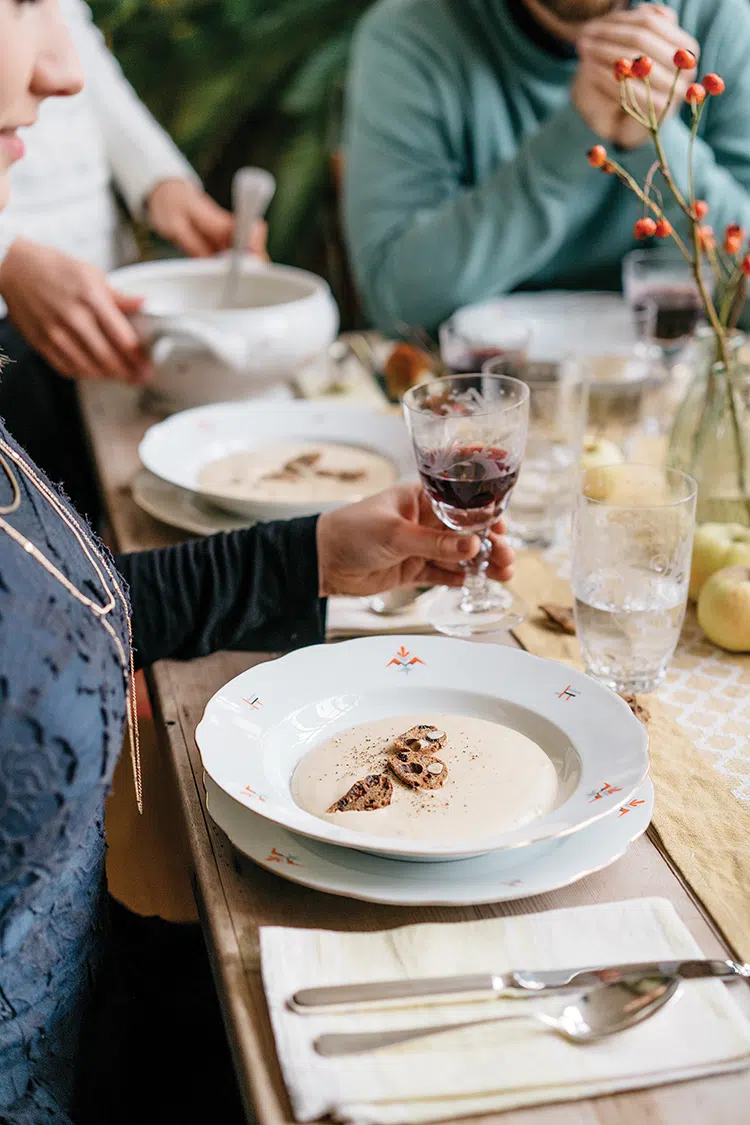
[(421, 242)]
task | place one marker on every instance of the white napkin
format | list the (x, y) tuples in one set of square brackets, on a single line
[(346, 382), (352, 617), (501, 1065)]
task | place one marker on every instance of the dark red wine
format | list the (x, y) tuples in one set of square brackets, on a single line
[(468, 477), (678, 310), (474, 358)]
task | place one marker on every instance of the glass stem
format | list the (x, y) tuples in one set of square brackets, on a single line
[(476, 595)]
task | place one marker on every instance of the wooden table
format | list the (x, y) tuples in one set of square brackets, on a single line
[(235, 897)]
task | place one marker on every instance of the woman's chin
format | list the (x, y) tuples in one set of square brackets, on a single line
[(4, 188)]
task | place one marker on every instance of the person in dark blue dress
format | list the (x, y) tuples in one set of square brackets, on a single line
[(75, 623)]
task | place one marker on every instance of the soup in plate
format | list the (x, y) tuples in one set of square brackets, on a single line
[(430, 778)]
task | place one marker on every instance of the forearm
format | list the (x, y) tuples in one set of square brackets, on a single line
[(252, 589), (482, 240)]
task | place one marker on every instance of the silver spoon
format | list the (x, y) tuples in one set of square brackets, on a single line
[(252, 191), (592, 1015), (394, 601)]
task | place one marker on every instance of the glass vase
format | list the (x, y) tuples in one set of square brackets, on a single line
[(710, 437)]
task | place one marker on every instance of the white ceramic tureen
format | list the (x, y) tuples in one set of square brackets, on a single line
[(283, 318)]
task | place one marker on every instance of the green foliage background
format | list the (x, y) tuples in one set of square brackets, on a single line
[(249, 82)]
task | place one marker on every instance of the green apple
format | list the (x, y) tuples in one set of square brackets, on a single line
[(597, 456), (724, 608), (600, 451), (717, 545)]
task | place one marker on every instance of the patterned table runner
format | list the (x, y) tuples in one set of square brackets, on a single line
[(702, 815)]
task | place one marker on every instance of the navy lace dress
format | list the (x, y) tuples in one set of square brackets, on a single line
[(62, 711)]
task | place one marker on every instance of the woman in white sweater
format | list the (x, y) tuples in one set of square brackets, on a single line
[(64, 229)]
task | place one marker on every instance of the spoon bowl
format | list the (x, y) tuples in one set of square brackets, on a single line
[(590, 1016)]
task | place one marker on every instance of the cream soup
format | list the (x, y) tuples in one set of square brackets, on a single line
[(497, 780), (299, 471)]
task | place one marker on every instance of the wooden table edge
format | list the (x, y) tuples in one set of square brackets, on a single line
[(259, 1077)]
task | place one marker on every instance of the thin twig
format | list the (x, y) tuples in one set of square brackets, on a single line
[(670, 99)]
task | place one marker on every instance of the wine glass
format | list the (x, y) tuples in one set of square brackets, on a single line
[(661, 275), (479, 333), (469, 435)]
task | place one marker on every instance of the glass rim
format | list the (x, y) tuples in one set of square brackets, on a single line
[(667, 471), (518, 327), (654, 253), (441, 380)]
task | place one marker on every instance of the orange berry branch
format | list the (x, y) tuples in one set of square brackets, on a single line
[(730, 261)]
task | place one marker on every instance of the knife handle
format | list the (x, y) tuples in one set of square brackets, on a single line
[(398, 990)]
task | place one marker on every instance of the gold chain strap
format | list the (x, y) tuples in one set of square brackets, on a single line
[(98, 561)]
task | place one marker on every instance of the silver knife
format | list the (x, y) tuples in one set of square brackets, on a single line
[(516, 983)]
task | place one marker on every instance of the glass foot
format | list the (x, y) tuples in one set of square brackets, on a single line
[(445, 610)]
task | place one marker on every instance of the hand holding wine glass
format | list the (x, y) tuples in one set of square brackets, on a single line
[(469, 435)]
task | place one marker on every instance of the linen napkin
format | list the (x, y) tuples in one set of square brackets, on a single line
[(352, 617), (503, 1065)]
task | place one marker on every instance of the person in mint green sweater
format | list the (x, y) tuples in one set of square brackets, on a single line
[(468, 124)]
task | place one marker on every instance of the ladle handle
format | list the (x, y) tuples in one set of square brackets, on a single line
[(252, 191)]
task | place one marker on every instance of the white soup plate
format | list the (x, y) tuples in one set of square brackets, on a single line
[(259, 726), (177, 449), (496, 877)]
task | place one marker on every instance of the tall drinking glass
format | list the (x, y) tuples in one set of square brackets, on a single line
[(546, 489), (469, 434), (632, 543)]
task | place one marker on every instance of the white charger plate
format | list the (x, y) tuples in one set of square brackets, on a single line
[(496, 877), (177, 507), (258, 727), (177, 449)]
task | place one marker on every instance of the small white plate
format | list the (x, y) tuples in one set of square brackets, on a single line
[(497, 877), (559, 320), (177, 507), (259, 726), (180, 447)]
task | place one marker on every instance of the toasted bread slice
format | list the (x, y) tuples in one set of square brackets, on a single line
[(373, 792)]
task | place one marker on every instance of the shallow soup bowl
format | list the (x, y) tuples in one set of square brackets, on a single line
[(259, 726), (180, 448)]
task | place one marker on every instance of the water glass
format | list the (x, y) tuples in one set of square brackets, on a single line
[(624, 369), (480, 333), (544, 496), (632, 544)]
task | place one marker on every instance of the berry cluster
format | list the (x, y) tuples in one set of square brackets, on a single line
[(683, 60), (660, 226)]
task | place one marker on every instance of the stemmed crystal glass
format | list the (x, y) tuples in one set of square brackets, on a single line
[(469, 435)]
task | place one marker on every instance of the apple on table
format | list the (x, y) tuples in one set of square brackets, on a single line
[(724, 608), (599, 451), (716, 546)]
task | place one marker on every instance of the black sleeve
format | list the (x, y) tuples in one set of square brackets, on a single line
[(250, 589)]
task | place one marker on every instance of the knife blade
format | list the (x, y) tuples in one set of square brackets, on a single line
[(516, 983)]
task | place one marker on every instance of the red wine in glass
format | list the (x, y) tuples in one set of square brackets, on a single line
[(473, 358), (678, 311), (469, 484)]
